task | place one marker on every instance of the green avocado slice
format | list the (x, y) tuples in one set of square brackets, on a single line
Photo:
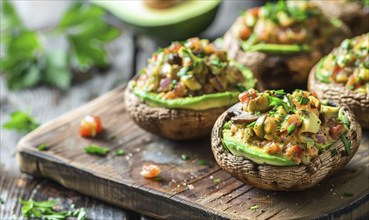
[(208, 101), (254, 153), (277, 48)]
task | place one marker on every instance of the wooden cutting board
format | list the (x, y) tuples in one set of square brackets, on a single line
[(187, 189)]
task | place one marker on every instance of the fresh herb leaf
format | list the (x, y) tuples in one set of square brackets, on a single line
[(347, 144), (348, 194), (94, 149), (42, 147), (21, 122), (45, 210), (185, 157), (111, 137), (119, 152), (291, 128), (158, 178), (274, 101), (251, 125), (203, 162), (254, 207), (217, 180), (334, 152), (26, 61), (302, 100)]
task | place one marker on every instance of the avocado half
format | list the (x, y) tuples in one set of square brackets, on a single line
[(181, 21), (274, 66), (358, 102), (353, 13), (282, 176)]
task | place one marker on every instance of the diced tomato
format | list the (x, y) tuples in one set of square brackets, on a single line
[(253, 11), (297, 151), (294, 119), (90, 126), (169, 95), (336, 70), (244, 32), (247, 96), (337, 130), (150, 171)]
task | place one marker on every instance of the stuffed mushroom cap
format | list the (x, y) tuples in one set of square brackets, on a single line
[(355, 14), (343, 77), (184, 88), (281, 42), (279, 141)]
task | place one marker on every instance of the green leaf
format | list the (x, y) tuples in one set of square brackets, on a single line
[(291, 128), (57, 72), (119, 152), (347, 144), (94, 149), (251, 125), (42, 147), (79, 13), (217, 180), (254, 207), (21, 122)]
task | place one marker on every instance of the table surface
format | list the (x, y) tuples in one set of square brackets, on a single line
[(130, 54)]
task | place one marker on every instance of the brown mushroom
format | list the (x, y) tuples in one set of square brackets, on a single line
[(285, 178), (354, 14), (358, 102), (176, 124), (276, 71)]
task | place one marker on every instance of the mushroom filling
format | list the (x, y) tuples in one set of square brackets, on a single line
[(190, 71), (284, 27), (347, 65), (283, 129)]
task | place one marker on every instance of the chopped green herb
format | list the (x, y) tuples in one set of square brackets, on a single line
[(334, 152), (302, 100), (111, 137), (203, 162), (21, 122), (280, 92), (94, 149), (254, 207), (45, 210), (291, 128), (42, 147), (119, 152), (185, 157), (274, 101), (348, 194), (251, 125), (217, 180), (347, 144), (158, 178)]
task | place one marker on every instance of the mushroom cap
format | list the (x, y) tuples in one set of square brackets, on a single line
[(176, 124), (284, 178), (358, 102), (276, 71), (353, 14)]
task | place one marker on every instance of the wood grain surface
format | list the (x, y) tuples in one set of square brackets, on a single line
[(186, 189)]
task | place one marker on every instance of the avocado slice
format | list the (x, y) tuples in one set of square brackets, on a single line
[(254, 153), (208, 101), (277, 48), (184, 20)]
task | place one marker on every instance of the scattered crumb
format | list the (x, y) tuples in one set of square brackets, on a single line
[(190, 187), (211, 177)]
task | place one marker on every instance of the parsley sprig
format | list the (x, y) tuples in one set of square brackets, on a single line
[(45, 210), (21, 122), (27, 62)]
